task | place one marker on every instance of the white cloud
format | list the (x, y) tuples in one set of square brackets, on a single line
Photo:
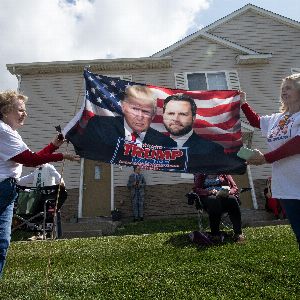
[(35, 30)]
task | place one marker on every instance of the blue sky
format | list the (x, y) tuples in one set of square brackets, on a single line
[(63, 30), (220, 8)]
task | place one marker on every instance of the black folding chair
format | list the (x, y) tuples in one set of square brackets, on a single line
[(35, 208), (195, 199)]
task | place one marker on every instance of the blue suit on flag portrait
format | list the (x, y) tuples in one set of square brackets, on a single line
[(206, 155)]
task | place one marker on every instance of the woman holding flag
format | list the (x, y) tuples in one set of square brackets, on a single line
[(282, 131), (14, 153)]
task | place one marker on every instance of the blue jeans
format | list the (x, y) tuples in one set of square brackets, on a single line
[(8, 195), (292, 209), (138, 205)]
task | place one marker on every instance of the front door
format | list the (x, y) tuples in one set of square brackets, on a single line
[(96, 189)]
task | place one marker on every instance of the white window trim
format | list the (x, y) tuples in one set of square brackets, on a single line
[(207, 72), (295, 70)]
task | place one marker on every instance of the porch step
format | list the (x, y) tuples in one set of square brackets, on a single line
[(259, 217), (89, 227), (270, 223)]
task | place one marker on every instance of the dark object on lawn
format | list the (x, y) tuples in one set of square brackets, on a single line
[(116, 215), (200, 238)]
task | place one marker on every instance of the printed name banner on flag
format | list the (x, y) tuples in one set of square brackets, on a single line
[(127, 123)]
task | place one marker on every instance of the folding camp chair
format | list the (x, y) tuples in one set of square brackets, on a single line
[(193, 198), (35, 209)]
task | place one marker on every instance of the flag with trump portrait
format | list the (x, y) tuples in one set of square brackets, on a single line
[(127, 123)]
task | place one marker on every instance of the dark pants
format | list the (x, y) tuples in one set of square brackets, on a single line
[(292, 208), (216, 206)]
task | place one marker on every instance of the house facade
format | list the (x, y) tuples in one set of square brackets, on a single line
[(251, 49)]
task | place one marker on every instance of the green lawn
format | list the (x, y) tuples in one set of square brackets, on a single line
[(160, 265)]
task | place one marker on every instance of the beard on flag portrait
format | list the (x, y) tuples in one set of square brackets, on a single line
[(127, 123)]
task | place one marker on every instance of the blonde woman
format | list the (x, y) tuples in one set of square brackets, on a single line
[(14, 153), (282, 131)]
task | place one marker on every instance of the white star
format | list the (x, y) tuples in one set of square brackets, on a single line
[(93, 90), (99, 100), (112, 94), (113, 83), (90, 78)]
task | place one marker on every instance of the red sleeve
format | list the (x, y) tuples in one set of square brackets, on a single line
[(251, 115), (199, 185), (31, 159), (47, 150), (290, 148)]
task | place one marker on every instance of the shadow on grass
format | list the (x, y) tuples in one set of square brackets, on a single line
[(158, 226), (182, 240)]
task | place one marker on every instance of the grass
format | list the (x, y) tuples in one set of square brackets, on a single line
[(160, 265)]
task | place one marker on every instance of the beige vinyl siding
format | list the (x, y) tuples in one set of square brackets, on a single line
[(203, 54), (52, 100), (260, 33)]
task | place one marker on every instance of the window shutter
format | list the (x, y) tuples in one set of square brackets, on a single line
[(126, 77), (233, 80), (180, 81)]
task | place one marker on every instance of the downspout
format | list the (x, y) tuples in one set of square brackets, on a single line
[(253, 196), (81, 188), (112, 194)]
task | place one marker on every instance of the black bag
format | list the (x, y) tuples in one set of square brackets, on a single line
[(202, 239)]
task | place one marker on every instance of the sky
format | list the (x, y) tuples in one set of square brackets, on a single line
[(64, 30)]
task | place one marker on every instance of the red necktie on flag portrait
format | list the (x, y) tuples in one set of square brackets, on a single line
[(134, 136), (213, 117)]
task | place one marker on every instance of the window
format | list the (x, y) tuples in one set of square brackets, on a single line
[(207, 81)]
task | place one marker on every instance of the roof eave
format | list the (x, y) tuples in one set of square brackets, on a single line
[(94, 65)]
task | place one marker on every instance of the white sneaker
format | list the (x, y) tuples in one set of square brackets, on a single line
[(38, 237)]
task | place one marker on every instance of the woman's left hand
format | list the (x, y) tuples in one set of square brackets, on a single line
[(257, 158), (58, 140)]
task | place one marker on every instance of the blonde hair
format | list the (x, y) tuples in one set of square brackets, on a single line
[(141, 92), (295, 79), (7, 101)]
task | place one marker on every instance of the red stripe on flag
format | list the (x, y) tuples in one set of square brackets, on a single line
[(217, 110), (222, 137)]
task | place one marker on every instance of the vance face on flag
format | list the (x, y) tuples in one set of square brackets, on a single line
[(127, 123)]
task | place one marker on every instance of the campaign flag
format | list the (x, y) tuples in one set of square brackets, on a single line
[(181, 131)]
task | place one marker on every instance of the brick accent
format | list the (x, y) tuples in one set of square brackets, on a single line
[(70, 207), (160, 200)]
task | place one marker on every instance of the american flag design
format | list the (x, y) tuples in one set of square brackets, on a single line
[(217, 118)]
